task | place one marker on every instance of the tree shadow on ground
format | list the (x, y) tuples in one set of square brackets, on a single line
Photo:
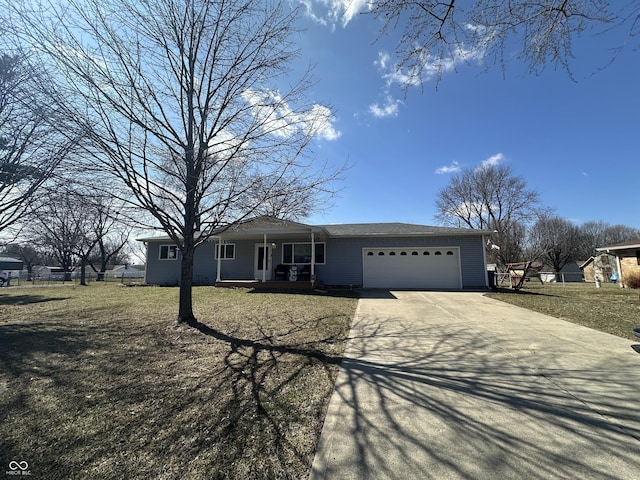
[(110, 400), (439, 401), (104, 399), (27, 299)]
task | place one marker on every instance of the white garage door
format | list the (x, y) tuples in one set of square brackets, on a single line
[(404, 267)]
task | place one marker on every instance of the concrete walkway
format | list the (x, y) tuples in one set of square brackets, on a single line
[(448, 385)]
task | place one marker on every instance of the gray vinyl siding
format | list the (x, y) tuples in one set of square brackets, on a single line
[(241, 268), (204, 265), (161, 272), (343, 256)]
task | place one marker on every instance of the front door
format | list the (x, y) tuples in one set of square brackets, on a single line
[(259, 256)]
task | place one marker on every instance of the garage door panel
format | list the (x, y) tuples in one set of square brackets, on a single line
[(417, 268)]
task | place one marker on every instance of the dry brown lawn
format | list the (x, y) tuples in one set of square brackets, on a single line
[(99, 382)]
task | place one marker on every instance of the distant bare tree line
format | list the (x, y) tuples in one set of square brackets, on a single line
[(493, 197)]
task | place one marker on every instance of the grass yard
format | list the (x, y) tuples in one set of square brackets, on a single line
[(99, 382), (609, 309)]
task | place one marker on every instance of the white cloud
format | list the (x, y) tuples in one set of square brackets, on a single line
[(427, 66), (319, 123), (454, 167), (278, 118), (492, 161), (332, 12), (353, 8), (383, 60), (390, 108), (308, 8)]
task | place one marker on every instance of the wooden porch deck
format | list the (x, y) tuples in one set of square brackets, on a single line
[(269, 284)]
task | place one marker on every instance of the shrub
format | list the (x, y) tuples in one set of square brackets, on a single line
[(632, 279)]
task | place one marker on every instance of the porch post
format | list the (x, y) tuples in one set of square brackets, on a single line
[(264, 259), (619, 271), (313, 258), (218, 251)]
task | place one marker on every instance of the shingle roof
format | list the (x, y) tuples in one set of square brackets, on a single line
[(621, 245), (10, 259), (395, 229)]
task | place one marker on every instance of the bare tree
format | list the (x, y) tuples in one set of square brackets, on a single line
[(80, 229), (187, 104), (32, 142), (490, 197), (63, 228), (436, 35), (111, 230), (509, 244), (556, 241), (596, 234), (26, 252)]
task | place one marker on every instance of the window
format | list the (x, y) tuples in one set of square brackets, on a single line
[(414, 253), (438, 253), (403, 253), (300, 253), (226, 251), (392, 253), (449, 252), (168, 252), (369, 254), (426, 253)]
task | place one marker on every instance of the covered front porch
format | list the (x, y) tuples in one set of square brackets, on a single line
[(269, 253)]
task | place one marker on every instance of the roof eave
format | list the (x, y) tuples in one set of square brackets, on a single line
[(618, 248)]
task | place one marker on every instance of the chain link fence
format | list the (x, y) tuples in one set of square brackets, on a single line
[(48, 279)]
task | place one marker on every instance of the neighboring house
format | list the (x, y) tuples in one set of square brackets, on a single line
[(627, 258), (9, 267), (46, 272), (570, 272), (370, 255), (603, 265), (127, 271)]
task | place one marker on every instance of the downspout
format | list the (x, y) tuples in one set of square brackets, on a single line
[(484, 258), (219, 266), (312, 277), (264, 259)]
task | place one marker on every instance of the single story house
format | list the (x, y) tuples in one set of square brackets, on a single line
[(627, 259), (602, 265), (9, 268), (9, 263), (127, 271), (369, 255), (570, 272)]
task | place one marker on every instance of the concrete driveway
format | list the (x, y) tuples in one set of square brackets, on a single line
[(444, 385)]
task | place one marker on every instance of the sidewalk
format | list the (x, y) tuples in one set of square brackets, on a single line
[(453, 385)]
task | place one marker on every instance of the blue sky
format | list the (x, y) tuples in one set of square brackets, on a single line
[(575, 142)]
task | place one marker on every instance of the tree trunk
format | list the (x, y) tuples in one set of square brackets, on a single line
[(185, 308), (83, 272)]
